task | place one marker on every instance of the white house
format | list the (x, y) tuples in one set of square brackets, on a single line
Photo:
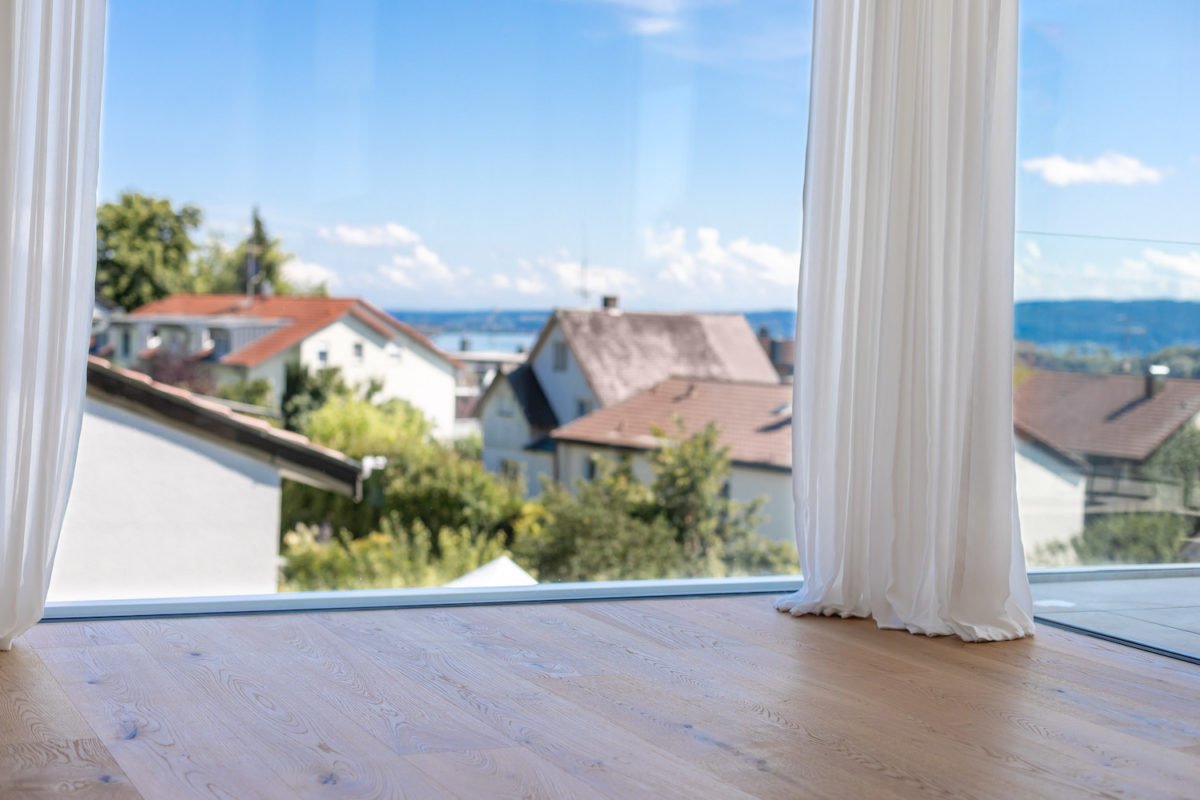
[(237, 338), (584, 360), (516, 420), (176, 495), (1082, 442), (753, 420)]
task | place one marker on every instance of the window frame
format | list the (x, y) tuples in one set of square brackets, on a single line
[(594, 591)]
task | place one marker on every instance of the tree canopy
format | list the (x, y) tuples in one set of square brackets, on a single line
[(143, 248)]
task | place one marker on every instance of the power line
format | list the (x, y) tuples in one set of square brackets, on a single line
[(1109, 238)]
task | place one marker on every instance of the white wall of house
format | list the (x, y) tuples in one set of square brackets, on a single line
[(506, 432), (564, 388), (408, 371), (745, 484), (1051, 496), (159, 512), (273, 370)]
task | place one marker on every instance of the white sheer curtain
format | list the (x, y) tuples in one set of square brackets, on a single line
[(904, 476), (51, 57)]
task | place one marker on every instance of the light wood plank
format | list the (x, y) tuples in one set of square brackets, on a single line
[(283, 722), (700, 697), (50, 769), (511, 772), (164, 739)]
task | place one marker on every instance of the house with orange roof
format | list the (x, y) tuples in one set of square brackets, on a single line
[(240, 338), (753, 421)]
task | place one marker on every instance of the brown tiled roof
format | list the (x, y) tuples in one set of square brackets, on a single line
[(754, 419), (305, 315), (622, 353), (297, 457), (1081, 414)]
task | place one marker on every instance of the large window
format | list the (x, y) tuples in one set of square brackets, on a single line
[(1107, 378), (565, 214)]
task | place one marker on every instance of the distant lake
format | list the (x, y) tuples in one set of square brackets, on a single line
[(507, 342)]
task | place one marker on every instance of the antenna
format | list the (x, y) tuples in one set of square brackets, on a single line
[(583, 259)]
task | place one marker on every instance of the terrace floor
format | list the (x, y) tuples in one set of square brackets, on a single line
[(1159, 613), (715, 697)]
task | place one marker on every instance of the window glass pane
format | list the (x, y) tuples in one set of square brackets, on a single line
[(359, 222), (1107, 283)]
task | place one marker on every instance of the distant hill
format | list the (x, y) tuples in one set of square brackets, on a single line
[(1135, 327)]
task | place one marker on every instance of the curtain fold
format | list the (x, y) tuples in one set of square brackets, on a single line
[(904, 463), (51, 59)]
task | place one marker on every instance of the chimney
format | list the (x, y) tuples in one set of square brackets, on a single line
[(1156, 378), (609, 302)]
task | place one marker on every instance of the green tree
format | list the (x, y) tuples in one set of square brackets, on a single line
[(259, 259), (423, 481), (1176, 460), (257, 392), (1132, 539), (392, 557), (591, 535), (305, 391), (143, 248), (681, 525)]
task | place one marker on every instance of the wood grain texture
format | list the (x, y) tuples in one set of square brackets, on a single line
[(706, 697)]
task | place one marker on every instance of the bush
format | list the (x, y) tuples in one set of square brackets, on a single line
[(424, 481), (682, 525), (1132, 539), (391, 557)]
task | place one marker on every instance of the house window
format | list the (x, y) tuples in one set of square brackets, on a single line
[(323, 355), (589, 468), (358, 351), (126, 342), (560, 356), (583, 407)]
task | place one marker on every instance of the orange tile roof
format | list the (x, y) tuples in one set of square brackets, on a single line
[(1080, 414), (306, 316), (754, 419)]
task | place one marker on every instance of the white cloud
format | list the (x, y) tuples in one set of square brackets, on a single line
[(1111, 168), (388, 234), (651, 18), (711, 264), (1152, 273), (654, 26), (418, 265), (309, 274), (1031, 247), (1186, 264)]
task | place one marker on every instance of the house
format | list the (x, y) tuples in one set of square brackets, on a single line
[(516, 420), (176, 495), (584, 360), (239, 338), (754, 421), (479, 368), (1082, 443), (781, 351)]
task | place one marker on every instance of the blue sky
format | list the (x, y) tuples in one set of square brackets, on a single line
[(470, 153)]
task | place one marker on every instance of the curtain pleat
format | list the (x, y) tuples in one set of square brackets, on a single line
[(51, 60), (903, 449)]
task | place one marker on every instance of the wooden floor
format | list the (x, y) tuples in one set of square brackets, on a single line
[(695, 698)]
